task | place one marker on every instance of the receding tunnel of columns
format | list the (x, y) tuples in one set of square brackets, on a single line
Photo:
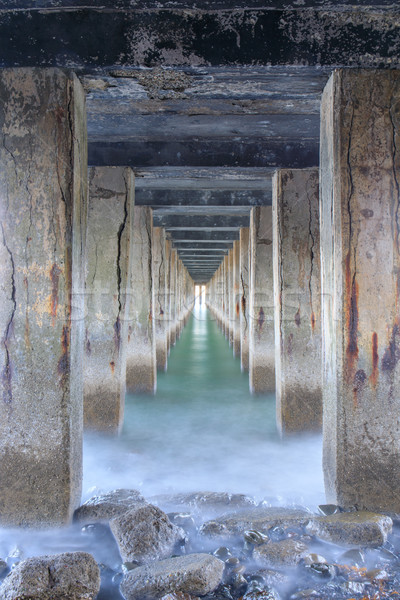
[(131, 186)]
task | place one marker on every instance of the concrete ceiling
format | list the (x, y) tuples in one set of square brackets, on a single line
[(203, 99)]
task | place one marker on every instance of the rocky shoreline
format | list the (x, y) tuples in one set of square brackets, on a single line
[(213, 546)]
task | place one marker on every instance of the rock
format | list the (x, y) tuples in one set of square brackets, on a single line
[(108, 506), (70, 576), (260, 519), (145, 534), (194, 574), (284, 553), (211, 503), (314, 558), (179, 596), (359, 528), (3, 567)]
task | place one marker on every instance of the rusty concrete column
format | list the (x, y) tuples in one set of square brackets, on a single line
[(297, 289), (111, 199), (167, 316), (360, 242), (261, 309), (141, 373), (244, 275), (43, 212), (231, 299), (160, 296), (225, 326), (172, 296), (236, 298)]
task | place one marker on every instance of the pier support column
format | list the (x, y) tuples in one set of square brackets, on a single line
[(43, 212), (261, 310), (141, 374), (172, 297), (231, 298), (297, 291), (244, 275), (226, 298), (160, 295), (360, 242), (111, 199), (236, 298)]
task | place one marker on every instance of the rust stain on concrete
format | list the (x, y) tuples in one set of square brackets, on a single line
[(312, 321), (112, 365), (359, 381), (55, 273), (375, 360), (351, 292), (237, 309), (391, 355), (63, 363)]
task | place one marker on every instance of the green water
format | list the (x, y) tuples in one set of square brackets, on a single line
[(204, 431)]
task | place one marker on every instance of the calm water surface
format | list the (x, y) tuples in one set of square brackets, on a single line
[(204, 431)]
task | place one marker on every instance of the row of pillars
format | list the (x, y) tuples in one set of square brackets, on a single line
[(92, 297), (312, 290)]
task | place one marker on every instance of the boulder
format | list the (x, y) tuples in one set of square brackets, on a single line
[(260, 518), (3, 567), (70, 576), (193, 574), (359, 528), (209, 503), (284, 553), (107, 506), (145, 534)]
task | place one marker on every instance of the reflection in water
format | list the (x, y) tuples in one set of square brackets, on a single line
[(204, 431)]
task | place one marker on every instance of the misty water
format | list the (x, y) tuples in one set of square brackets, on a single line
[(202, 431)]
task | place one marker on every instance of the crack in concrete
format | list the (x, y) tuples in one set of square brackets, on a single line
[(280, 273), (6, 375), (244, 301), (396, 181), (311, 235), (119, 247)]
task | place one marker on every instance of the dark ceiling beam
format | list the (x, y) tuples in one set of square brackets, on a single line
[(200, 221), (245, 152), (203, 178), (168, 197), (208, 245), (204, 235), (150, 37)]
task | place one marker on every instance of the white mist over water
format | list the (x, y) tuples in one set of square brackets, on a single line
[(202, 431)]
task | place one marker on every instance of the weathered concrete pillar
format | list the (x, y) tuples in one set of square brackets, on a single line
[(160, 296), (231, 298), (225, 325), (141, 374), (111, 199), (43, 212), (297, 292), (167, 316), (359, 178), (172, 296), (236, 298), (244, 276), (261, 310)]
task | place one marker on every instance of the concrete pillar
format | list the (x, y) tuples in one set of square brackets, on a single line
[(225, 309), (141, 375), (359, 178), (111, 198), (167, 316), (297, 292), (244, 276), (236, 298), (231, 299), (43, 212), (261, 310), (160, 295), (172, 297)]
